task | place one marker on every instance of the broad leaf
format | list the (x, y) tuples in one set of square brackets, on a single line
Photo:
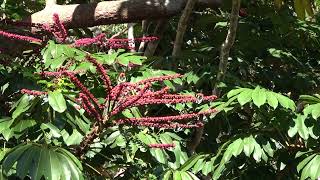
[(57, 101)]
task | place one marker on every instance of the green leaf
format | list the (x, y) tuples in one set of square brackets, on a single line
[(303, 163), (157, 153), (268, 149), (235, 92), (5, 124), (185, 176), (194, 177), (259, 96), (177, 175), (165, 139), (74, 139), (190, 163), (53, 129), (112, 137), (57, 101), (286, 102), (198, 166), (167, 175), (257, 154), (272, 100), (299, 127), (22, 106), (207, 168), (237, 147), (248, 145), (316, 111), (23, 124), (245, 97), (310, 169)]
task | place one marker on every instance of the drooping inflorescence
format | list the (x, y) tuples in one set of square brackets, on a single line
[(123, 95), (59, 31)]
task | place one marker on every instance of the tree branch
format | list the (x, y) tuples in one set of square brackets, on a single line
[(107, 12), (227, 44), (50, 3), (223, 65), (111, 12), (182, 26), (159, 30)]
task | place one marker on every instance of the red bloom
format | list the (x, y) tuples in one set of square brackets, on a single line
[(88, 41), (19, 37), (161, 146), (33, 92)]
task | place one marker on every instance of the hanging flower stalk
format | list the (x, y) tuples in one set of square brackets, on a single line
[(125, 95), (122, 96), (59, 31)]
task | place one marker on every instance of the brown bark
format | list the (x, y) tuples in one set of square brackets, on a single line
[(227, 44), (108, 12), (50, 3), (182, 27), (159, 30), (111, 12)]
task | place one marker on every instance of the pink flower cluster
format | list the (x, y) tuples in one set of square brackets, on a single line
[(33, 92), (58, 29), (20, 23), (126, 95), (19, 37), (161, 146), (88, 41), (60, 33)]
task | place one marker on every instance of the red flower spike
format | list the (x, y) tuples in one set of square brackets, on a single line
[(161, 125), (161, 146), (88, 41), (104, 75), (84, 90), (19, 37), (59, 30), (169, 119), (159, 79), (130, 100), (89, 107), (33, 92)]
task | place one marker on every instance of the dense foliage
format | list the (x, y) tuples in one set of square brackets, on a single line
[(78, 104)]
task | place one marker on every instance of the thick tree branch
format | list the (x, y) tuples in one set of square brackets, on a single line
[(108, 12), (111, 12), (50, 3), (223, 65), (182, 26)]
